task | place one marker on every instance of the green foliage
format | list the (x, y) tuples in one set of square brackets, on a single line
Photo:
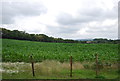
[(19, 51), (102, 40), (100, 65), (100, 77), (86, 66), (22, 35)]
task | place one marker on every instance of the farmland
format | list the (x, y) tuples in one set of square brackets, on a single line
[(52, 60), (20, 51)]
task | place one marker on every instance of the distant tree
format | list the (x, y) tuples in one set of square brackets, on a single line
[(100, 40), (22, 35), (0, 32)]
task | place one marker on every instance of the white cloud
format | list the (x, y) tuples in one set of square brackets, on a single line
[(63, 18), (10, 10)]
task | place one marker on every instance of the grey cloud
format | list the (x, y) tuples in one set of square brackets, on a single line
[(65, 19), (61, 32), (63, 29), (16, 9), (0, 12), (99, 13), (101, 31), (87, 15), (68, 19), (105, 31), (119, 20), (69, 30)]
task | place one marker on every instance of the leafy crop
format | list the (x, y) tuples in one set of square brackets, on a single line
[(20, 51)]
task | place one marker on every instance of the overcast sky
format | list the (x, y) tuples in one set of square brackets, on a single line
[(68, 19)]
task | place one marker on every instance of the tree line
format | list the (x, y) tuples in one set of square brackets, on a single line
[(103, 40), (22, 35)]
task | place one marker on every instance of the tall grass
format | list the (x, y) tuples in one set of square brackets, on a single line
[(52, 69)]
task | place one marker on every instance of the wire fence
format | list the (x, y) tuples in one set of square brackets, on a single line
[(67, 68), (97, 65)]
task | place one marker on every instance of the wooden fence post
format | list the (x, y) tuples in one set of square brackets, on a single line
[(70, 66), (96, 64), (32, 65)]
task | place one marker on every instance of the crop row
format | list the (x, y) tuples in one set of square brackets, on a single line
[(17, 50)]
